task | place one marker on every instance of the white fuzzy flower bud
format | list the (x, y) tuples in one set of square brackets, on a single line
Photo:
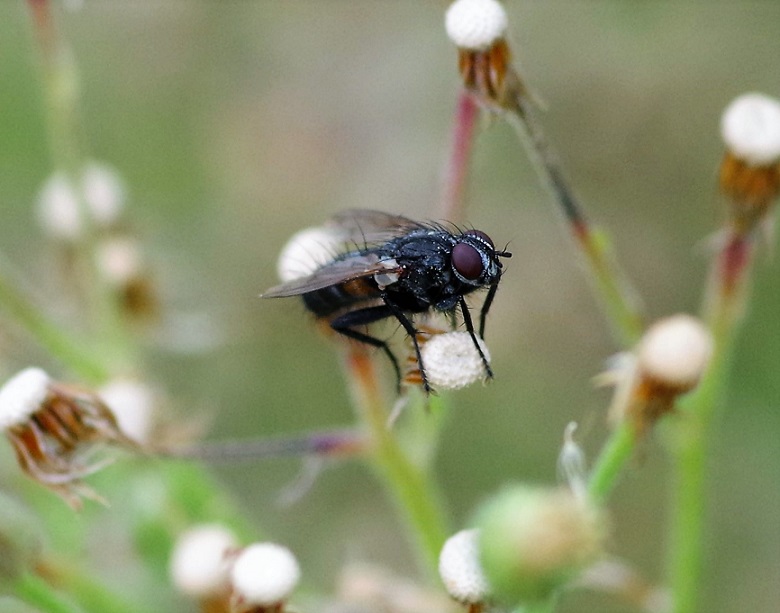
[(475, 24), (22, 395), (750, 127), (132, 403), (674, 352), (452, 361), (104, 193), (264, 574), (460, 569), (120, 259), (58, 209), (306, 251), (200, 563)]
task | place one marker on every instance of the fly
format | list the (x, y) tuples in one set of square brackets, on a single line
[(399, 268)]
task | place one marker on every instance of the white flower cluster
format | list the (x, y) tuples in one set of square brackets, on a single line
[(475, 24), (750, 127)]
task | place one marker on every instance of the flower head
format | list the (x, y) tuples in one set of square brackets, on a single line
[(674, 353), (263, 575), (475, 24), (750, 127), (53, 427), (460, 569), (750, 171), (306, 251), (452, 361), (201, 560)]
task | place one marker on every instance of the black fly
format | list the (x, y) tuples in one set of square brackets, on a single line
[(400, 267)]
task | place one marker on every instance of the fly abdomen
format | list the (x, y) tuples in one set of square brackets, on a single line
[(328, 300)]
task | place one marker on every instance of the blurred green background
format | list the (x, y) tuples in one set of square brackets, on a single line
[(235, 124)]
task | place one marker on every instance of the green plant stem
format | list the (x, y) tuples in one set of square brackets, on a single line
[(412, 490), (689, 439), (91, 595), (616, 452), (615, 294), (61, 93), (75, 354), (35, 592)]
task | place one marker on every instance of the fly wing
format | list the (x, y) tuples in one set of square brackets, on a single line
[(366, 227), (333, 273)]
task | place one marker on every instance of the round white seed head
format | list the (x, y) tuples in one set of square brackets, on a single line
[(475, 24), (120, 259), (104, 193), (750, 127), (22, 395), (200, 563), (306, 251), (58, 209), (132, 404), (264, 574), (460, 569), (452, 361), (675, 351)]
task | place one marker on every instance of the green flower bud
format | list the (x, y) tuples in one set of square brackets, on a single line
[(534, 540)]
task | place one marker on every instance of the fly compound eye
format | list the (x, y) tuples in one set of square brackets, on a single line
[(481, 236), (467, 261)]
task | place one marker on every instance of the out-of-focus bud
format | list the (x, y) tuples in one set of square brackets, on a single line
[(306, 251), (263, 577), (60, 210), (461, 571), (121, 261), (669, 360), (535, 540), (132, 403), (200, 564), (52, 427), (750, 171)]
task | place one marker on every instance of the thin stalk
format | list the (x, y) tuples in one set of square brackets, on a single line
[(617, 297), (452, 205), (412, 490), (724, 308), (61, 94), (332, 444), (91, 595), (616, 452), (37, 593), (73, 353)]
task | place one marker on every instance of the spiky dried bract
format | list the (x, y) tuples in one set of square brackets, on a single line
[(750, 127), (475, 24), (534, 540), (674, 353), (306, 251), (263, 575), (460, 569), (53, 427), (452, 361), (200, 562)]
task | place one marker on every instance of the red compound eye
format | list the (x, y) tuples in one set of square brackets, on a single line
[(466, 261), (482, 236)]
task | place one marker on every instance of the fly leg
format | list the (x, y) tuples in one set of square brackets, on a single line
[(412, 332), (485, 308), (470, 327), (344, 324)]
